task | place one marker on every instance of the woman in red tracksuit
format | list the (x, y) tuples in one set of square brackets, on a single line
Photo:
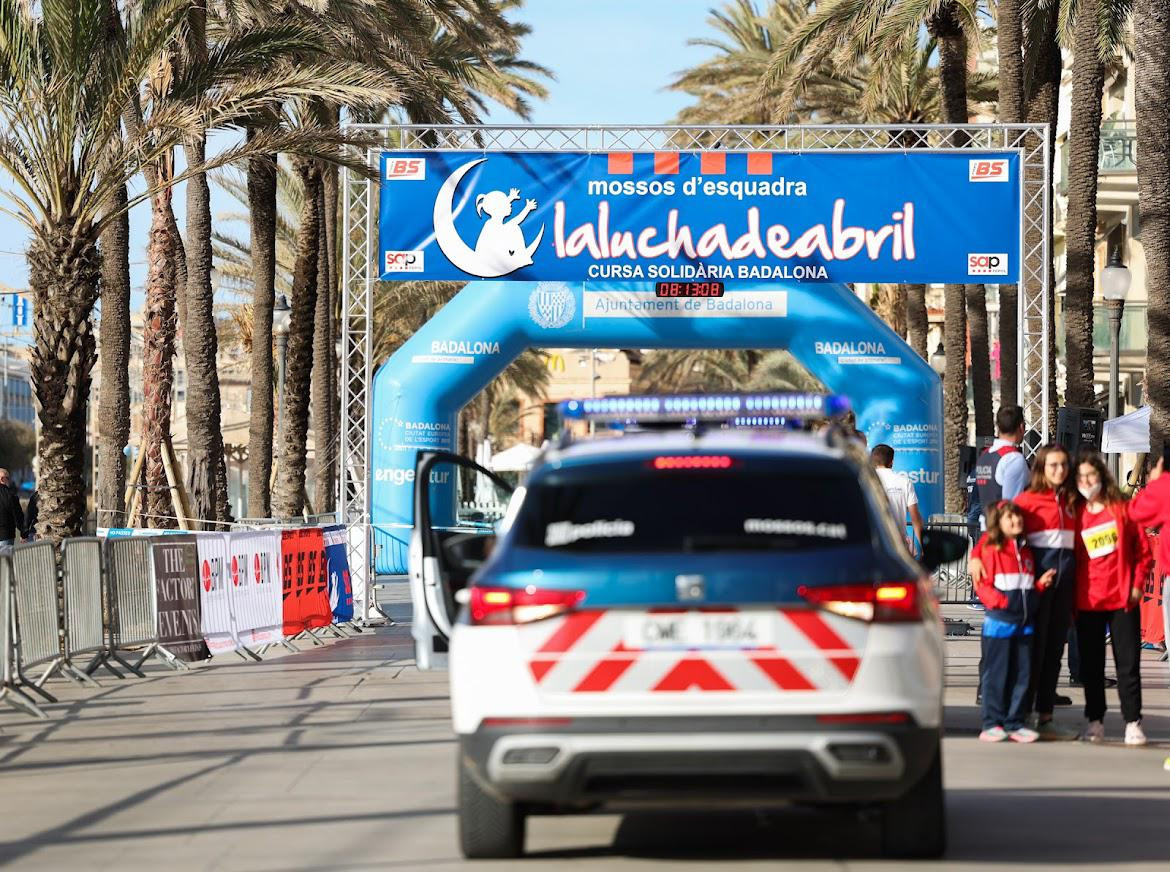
[(1009, 590), (1048, 508), (1113, 558)]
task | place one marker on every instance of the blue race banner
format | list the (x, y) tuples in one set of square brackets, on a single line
[(728, 216), (337, 561)]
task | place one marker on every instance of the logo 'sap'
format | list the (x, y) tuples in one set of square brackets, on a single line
[(501, 248)]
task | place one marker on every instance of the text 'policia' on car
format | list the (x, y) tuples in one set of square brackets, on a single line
[(718, 604)]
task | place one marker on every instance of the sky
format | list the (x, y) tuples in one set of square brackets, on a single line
[(612, 59)]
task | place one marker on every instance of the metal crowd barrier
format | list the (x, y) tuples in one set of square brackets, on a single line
[(952, 581), (81, 586), (38, 618), (134, 606), (100, 600), (10, 691)]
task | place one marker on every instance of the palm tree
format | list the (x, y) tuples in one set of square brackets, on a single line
[(1151, 21), (288, 493), (1009, 36), (66, 86), (1096, 35), (1042, 74)]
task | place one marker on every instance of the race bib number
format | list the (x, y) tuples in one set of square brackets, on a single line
[(1101, 539)]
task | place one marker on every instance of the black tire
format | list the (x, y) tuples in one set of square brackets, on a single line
[(490, 828), (915, 825)]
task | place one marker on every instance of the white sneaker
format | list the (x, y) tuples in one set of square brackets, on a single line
[(1134, 734), (1094, 732)]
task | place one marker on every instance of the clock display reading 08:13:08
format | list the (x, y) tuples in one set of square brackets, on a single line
[(689, 289)]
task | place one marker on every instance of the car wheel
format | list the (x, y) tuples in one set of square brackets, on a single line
[(915, 825), (489, 827)]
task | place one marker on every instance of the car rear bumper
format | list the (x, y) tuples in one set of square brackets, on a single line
[(674, 760)]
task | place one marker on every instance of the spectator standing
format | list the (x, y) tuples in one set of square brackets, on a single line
[(1009, 591), (1113, 558), (899, 491), (1001, 472), (1151, 508), (11, 517), (1049, 505)]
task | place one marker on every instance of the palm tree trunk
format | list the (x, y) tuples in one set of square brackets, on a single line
[(64, 267), (1009, 41), (952, 70), (917, 322), (113, 417), (980, 362), (262, 212), (288, 495), (1084, 141), (889, 302), (158, 339), (200, 347), (1042, 106), (324, 385), (1152, 23)]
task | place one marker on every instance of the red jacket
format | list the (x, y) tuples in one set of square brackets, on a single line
[(1048, 523), (1113, 556), (1151, 508), (1007, 588)]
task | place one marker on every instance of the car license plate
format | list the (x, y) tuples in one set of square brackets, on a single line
[(697, 630)]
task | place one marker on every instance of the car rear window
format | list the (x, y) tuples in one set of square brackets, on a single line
[(727, 505)]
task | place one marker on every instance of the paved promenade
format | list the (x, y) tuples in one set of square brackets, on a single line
[(341, 757)]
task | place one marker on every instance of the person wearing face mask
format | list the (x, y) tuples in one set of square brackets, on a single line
[(1151, 508), (1113, 558), (1048, 505)]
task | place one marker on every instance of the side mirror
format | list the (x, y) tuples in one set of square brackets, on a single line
[(939, 548)]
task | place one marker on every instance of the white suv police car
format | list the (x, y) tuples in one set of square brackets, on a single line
[(725, 614)]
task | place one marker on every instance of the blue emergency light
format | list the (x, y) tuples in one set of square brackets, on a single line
[(771, 409)]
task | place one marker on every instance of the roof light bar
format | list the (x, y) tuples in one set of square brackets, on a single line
[(741, 410)]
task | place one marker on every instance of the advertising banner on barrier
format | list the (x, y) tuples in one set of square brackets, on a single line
[(306, 594), (256, 589), (827, 216), (337, 566), (175, 561), (215, 593)]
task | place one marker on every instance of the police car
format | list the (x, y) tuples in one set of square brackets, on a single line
[(718, 614)]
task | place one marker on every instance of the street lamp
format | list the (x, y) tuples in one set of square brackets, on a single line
[(281, 314), (938, 360), (1115, 279)]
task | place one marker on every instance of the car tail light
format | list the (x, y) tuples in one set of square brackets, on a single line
[(886, 602), (520, 605), (693, 461)]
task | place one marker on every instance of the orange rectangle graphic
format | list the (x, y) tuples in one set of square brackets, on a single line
[(713, 163), (666, 163), (621, 163), (759, 163)]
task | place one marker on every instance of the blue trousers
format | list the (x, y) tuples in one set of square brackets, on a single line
[(1005, 671)]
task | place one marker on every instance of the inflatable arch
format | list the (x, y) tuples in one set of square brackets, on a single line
[(419, 391)]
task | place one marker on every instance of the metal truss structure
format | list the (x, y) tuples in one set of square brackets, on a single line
[(360, 215)]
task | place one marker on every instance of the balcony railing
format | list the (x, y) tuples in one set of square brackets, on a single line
[(1116, 154)]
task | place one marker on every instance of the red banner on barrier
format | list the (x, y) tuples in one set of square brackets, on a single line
[(306, 583)]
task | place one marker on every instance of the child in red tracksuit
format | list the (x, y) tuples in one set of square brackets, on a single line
[(1009, 590)]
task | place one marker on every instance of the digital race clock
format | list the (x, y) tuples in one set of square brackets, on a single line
[(689, 289)]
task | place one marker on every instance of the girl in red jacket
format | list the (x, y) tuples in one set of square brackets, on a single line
[(1113, 558), (1009, 590)]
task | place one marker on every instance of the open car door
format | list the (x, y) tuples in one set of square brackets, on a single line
[(456, 506)]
